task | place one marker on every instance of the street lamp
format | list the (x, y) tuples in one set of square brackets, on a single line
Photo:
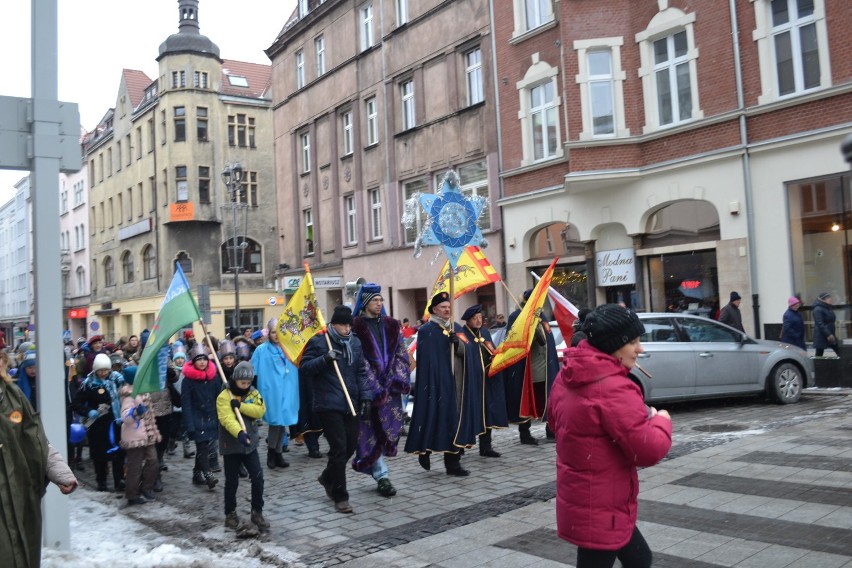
[(233, 177)]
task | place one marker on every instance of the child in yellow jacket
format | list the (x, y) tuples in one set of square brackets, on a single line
[(239, 447)]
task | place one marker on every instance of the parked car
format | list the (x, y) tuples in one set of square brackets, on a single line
[(691, 356)]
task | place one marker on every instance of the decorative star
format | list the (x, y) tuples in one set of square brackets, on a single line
[(453, 219)]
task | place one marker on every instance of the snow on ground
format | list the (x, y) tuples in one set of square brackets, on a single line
[(102, 537)]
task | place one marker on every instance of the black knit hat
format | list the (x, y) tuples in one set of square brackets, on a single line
[(342, 315), (735, 296), (610, 327), (438, 298)]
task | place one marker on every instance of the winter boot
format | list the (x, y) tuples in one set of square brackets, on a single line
[(259, 521), (210, 479), (232, 521), (187, 452), (386, 488), (198, 477), (270, 459), (280, 461)]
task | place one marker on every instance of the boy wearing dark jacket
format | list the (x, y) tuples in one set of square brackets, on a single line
[(239, 447)]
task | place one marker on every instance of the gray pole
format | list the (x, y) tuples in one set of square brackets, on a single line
[(44, 189), (236, 259)]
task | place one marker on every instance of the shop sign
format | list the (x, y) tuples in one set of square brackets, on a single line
[(182, 211), (328, 282), (616, 267), (291, 284), (77, 313), (143, 226)]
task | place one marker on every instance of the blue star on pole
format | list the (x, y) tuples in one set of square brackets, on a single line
[(453, 219)]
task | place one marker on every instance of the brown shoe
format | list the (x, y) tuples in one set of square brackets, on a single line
[(343, 507)]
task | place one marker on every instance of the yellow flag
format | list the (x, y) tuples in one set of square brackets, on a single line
[(300, 321), (473, 270), (519, 338)]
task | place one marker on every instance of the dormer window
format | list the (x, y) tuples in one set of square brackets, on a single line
[(237, 81)]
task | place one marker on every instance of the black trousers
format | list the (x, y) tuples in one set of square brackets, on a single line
[(312, 441), (202, 455), (232, 480), (635, 554), (164, 425), (341, 431)]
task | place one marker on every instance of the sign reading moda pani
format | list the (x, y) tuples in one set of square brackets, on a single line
[(616, 267)]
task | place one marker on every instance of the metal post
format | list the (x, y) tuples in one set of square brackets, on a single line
[(236, 265), (233, 176)]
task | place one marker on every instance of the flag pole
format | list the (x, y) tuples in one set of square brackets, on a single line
[(330, 348), (222, 373), (452, 320), (514, 299)]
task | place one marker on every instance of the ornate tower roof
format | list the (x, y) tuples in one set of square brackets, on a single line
[(188, 39)]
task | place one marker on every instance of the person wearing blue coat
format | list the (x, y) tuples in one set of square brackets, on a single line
[(201, 385), (793, 329), (824, 325), (278, 383)]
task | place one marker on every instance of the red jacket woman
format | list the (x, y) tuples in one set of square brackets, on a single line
[(604, 432)]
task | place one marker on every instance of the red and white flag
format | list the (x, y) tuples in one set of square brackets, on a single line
[(564, 312)]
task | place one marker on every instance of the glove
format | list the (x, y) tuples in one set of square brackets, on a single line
[(190, 436), (454, 339), (235, 404), (243, 439), (141, 409), (366, 407), (93, 414), (331, 356)]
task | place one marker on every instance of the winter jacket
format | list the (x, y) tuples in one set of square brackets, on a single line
[(198, 402), (137, 431), (603, 433), (252, 408), (824, 318), (328, 394), (730, 315), (793, 329)]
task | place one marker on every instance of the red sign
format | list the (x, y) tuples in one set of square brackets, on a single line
[(79, 313), (690, 284)]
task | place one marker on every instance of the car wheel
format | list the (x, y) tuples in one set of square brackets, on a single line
[(786, 383)]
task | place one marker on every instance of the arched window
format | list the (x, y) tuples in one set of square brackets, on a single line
[(109, 272), (81, 281), (127, 267), (248, 256), (185, 262), (681, 222), (556, 239), (149, 263)]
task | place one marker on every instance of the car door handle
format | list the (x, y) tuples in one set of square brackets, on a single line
[(705, 355)]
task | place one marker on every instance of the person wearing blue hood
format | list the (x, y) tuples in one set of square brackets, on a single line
[(26, 377)]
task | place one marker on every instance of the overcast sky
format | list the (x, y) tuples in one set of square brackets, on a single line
[(99, 38)]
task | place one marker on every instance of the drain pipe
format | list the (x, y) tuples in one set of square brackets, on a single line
[(496, 83), (746, 161)]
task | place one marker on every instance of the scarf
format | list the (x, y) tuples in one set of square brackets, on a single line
[(344, 341), (95, 382), (442, 322)]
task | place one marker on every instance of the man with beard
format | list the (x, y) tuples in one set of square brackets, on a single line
[(435, 418), (388, 378)]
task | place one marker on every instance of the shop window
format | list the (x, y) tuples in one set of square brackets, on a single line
[(246, 255), (684, 283)]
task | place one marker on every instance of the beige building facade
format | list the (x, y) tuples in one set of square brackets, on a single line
[(157, 196)]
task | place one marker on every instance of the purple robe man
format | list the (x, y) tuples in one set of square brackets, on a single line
[(388, 377)]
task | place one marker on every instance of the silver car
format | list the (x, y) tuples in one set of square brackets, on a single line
[(694, 357)]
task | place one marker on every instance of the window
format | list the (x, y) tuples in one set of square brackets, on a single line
[(79, 237), (109, 272), (109, 162), (248, 189), (306, 152), (185, 262), (351, 228), (120, 209), (375, 214), (241, 130), (237, 81), (601, 82), (101, 166), (473, 74), (139, 143), (537, 13), (401, 12), (372, 122), (79, 193), (180, 124), (181, 183), (200, 80), (347, 132), (543, 121), (203, 184), (366, 12), (248, 256), (81, 280), (119, 155), (303, 8), (792, 44), (63, 199), (130, 148), (130, 203), (201, 123), (110, 219), (407, 94), (151, 136), (668, 70), (309, 232), (300, 69), (410, 190), (319, 45), (127, 267), (473, 182)]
